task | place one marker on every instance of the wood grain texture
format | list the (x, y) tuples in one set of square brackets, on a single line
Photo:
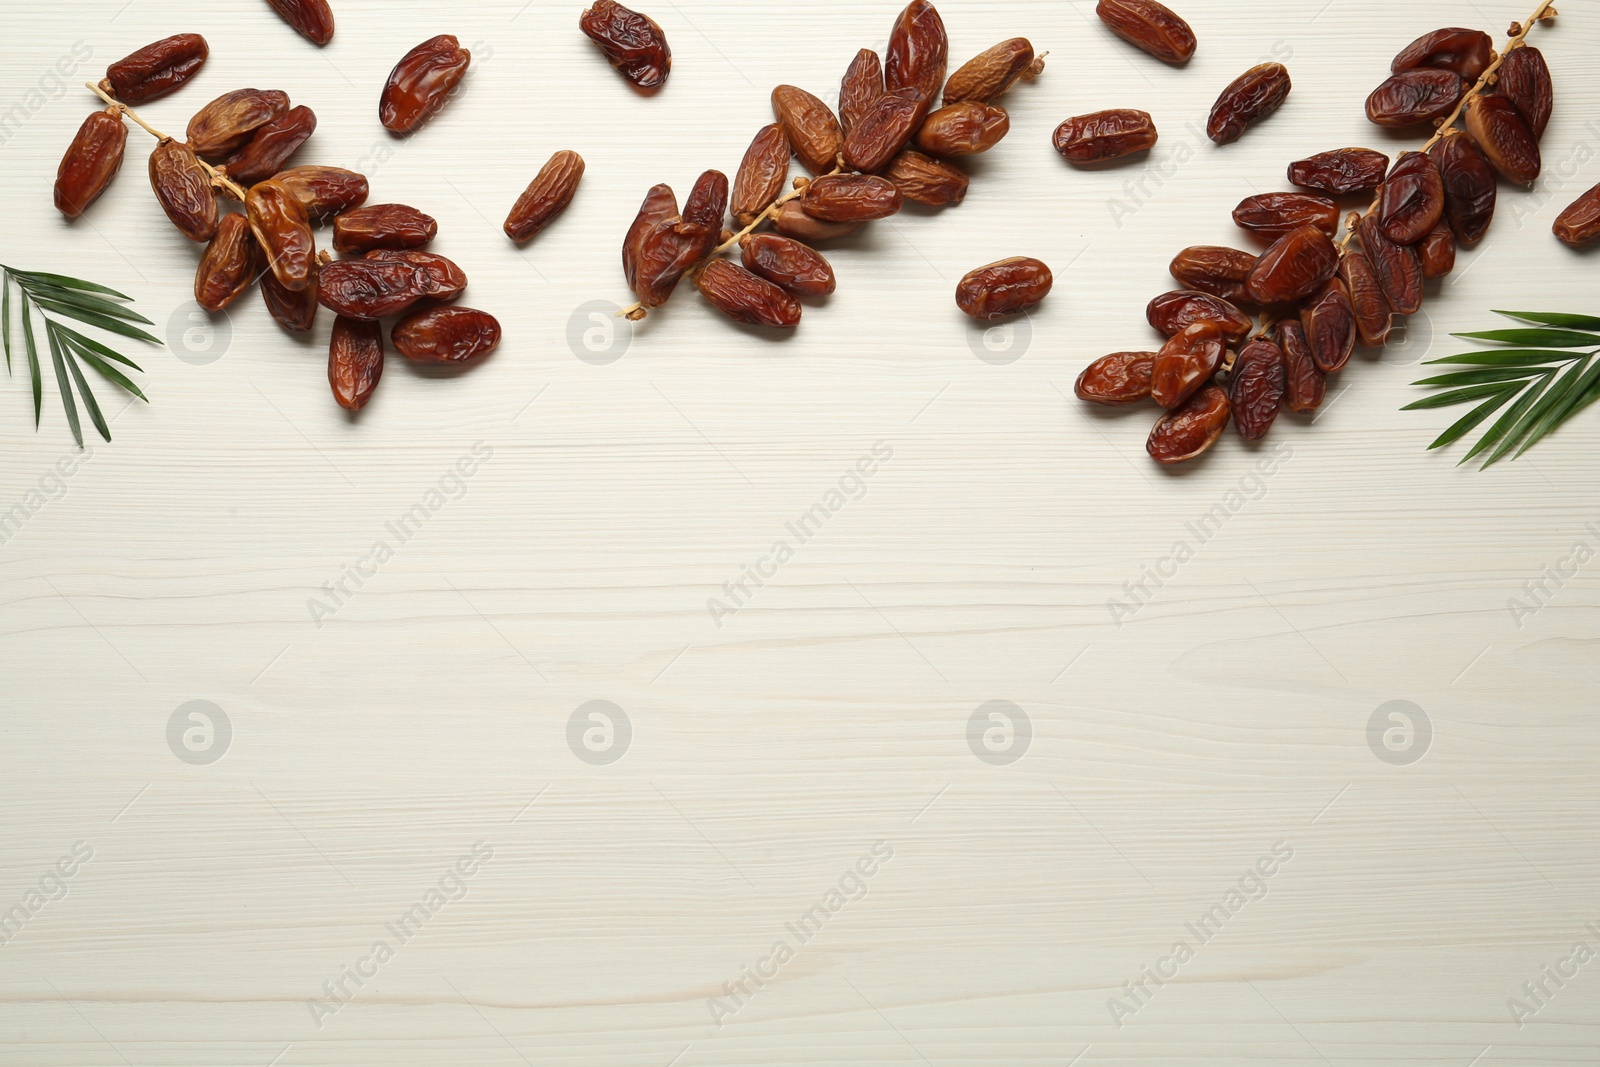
[(774, 748)]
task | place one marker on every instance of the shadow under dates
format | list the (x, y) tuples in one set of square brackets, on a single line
[(999, 733), (599, 733), (1399, 733)]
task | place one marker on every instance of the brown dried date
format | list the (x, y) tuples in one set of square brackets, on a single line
[(1580, 222), (1191, 430), (988, 75), (1296, 266), (1342, 171), (446, 335), (1118, 379), (1398, 267), (546, 197), (919, 51), (787, 264), (283, 232), (708, 203), (660, 205), (1004, 288), (382, 226), (311, 19), (324, 191), (966, 128), (745, 297), (91, 162), (1374, 317), (1271, 215), (1216, 270), (1185, 363), (270, 147), (811, 127), (1470, 188), (420, 84), (633, 44), (228, 265), (1104, 135), (1305, 385), (1330, 323), (295, 311), (223, 126), (762, 174), (883, 129), (658, 254), (792, 221), (1172, 313), (1438, 251), (157, 69), (1412, 200), (851, 198), (1415, 98), (927, 180), (375, 288), (183, 189), (355, 361), (1149, 27), (1251, 97), (861, 86), (1466, 52), (445, 280), (1503, 134), (1524, 78), (1256, 388)]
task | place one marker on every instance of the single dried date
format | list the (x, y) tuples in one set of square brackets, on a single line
[(1330, 323), (1271, 215), (966, 128), (1466, 52), (284, 233), (1105, 135), (375, 288), (919, 51), (1149, 27), (421, 83), (157, 69), (442, 278), (1256, 388), (183, 189), (324, 191), (1415, 98), (1374, 317), (1505, 137), (851, 198), (1398, 267), (294, 311), (1580, 222), (355, 361), (633, 44), (860, 87), (222, 127), (546, 197), (1216, 270), (1305, 386), (1438, 251), (270, 147), (446, 335), (988, 75), (762, 174), (91, 162), (1412, 200), (1251, 97), (1004, 288), (926, 180), (382, 226), (879, 133), (1524, 78), (311, 19), (1172, 313), (1118, 379), (1470, 188), (787, 264), (228, 265), (1185, 363), (1341, 171), (745, 297), (811, 127), (792, 221), (1296, 266), (1191, 430)]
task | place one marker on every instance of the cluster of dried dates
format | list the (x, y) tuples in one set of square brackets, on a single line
[(1319, 295), (899, 130)]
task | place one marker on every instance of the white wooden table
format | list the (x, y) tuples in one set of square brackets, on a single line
[(557, 881)]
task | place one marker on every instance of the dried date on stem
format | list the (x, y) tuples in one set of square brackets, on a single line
[(1466, 52), (441, 278), (1118, 379), (811, 127), (324, 191), (1256, 388), (1251, 97), (311, 19), (157, 69), (1296, 266), (792, 221), (1172, 313), (1190, 431), (1398, 267), (223, 126), (1105, 135), (228, 266), (1305, 385), (862, 84), (1580, 222), (967, 128), (926, 180), (1185, 363), (787, 264), (1341, 171), (762, 175), (1415, 98), (1271, 215), (1524, 78), (1330, 323), (919, 51), (1374, 317), (1503, 134), (382, 226), (294, 311), (633, 44), (270, 147), (375, 288), (1438, 251), (745, 297), (283, 232), (1470, 188), (355, 361), (183, 189), (420, 84), (1412, 200), (660, 205), (883, 130), (1149, 27), (664, 252), (91, 162), (446, 335), (1004, 288), (546, 197), (988, 75), (851, 198), (1216, 270)]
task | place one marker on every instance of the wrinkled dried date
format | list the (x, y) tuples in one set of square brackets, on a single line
[(223, 126), (1191, 430), (546, 197), (1256, 388), (283, 232), (1466, 52), (1341, 171), (1251, 97), (1305, 385), (1294, 267), (927, 180), (157, 69), (861, 85), (792, 221), (420, 84), (446, 335), (311, 19), (1505, 137), (445, 280), (966, 128), (1149, 27), (1185, 363), (851, 198), (270, 147), (745, 297), (375, 288), (1412, 200), (988, 75), (1580, 222), (1398, 267), (324, 191), (660, 204), (382, 226), (228, 265), (787, 264), (1374, 317), (708, 202), (883, 129), (355, 361), (1415, 98), (183, 189), (91, 162), (919, 51), (1271, 215), (1524, 78), (633, 44), (1470, 189), (1118, 379), (1104, 135), (296, 311), (1330, 324), (1004, 288), (1216, 270), (1172, 313), (762, 175), (811, 127), (660, 250), (1438, 251)]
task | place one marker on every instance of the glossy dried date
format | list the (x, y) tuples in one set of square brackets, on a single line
[(792, 221), (1524, 78), (708, 202), (1412, 200), (91, 162), (1341, 171), (1438, 251), (861, 85), (382, 226), (1580, 222), (966, 128), (1505, 137), (660, 204), (228, 265), (811, 127), (633, 44), (659, 253), (1466, 52), (762, 175), (375, 288), (851, 198), (294, 311), (1256, 388), (744, 297), (988, 75), (1271, 215), (355, 361), (222, 127), (1105, 135), (183, 189), (446, 335), (1296, 266), (787, 264), (283, 232), (1118, 379), (1374, 317), (422, 82), (1330, 324), (443, 278), (1004, 288), (1470, 188), (1415, 98), (883, 129), (157, 69), (1398, 267), (919, 51), (1149, 27), (1172, 313), (1251, 97), (1216, 270), (270, 147), (324, 191), (1305, 385), (546, 197), (311, 19), (1191, 430), (1185, 363), (927, 180)]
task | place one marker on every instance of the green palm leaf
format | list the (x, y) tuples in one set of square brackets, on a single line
[(1549, 338), (1555, 318)]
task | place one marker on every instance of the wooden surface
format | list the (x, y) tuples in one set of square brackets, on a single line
[(1167, 751)]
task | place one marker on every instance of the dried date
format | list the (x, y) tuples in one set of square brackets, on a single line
[(744, 297), (792, 221), (294, 311), (1470, 189), (324, 191), (446, 335), (1118, 379), (1149, 27), (660, 205), (422, 82), (546, 197), (311, 19), (966, 128), (1305, 386), (1271, 215), (444, 279), (1580, 222), (883, 129), (1341, 171), (1216, 270), (270, 147), (633, 44), (355, 361), (1505, 137), (222, 127), (762, 174), (860, 88), (228, 265), (1256, 388), (926, 180), (283, 232), (811, 127), (1524, 78), (988, 75), (1185, 363), (1412, 200), (1251, 97), (919, 51), (1398, 267), (1296, 266), (787, 264), (1374, 317), (1466, 52), (91, 162), (382, 226), (1172, 313), (1415, 98), (1330, 324), (375, 288), (851, 198), (157, 69), (1004, 288), (1438, 251), (183, 189), (1191, 430), (1105, 135)]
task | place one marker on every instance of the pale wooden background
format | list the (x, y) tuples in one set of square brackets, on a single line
[(767, 755)]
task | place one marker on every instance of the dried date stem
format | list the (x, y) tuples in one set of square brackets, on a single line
[(219, 180)]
